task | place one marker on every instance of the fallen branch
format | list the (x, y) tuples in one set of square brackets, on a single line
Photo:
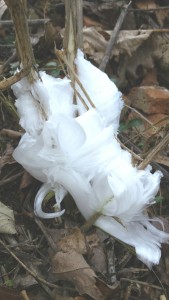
[(113, 38)]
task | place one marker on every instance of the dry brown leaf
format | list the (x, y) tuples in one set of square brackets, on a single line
[(73, 267), (69, 264), (150, 78), (127, 42), (150, 99), (66, 262), (7, 223), (88, 22), (146, 4), (97, 258), (160, 14), (70, 238), (75, 241)]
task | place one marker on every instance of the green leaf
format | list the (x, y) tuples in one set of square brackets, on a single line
[(134, 123), (49, 196), (141, 144), (55, 73), (9, 283), (159, 199), (122, 127)]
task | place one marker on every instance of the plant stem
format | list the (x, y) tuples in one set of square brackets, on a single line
[(73, 33), (17, 10)]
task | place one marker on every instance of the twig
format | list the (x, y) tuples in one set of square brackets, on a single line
[(72, 83), (157, 30), (155, 165), (111, 260), (44, 284), (7, 82), (7, 45), (140, 114), (138, 151), (91, 221), (129, 150), (153, 153), (63, 57), (9, 23), (46, 234), (113, 38), (5, 181), (38, 278), (8, 61), (149, 9), (9, 106), (160, 284), (141, 283), (11, 133)]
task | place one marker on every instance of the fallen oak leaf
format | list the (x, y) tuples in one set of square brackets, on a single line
[(74, 241), (68, 238), (73, 267)]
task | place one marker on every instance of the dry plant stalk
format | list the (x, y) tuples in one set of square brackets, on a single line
[(62, 57), (17, 10), (73, 38), (73, 29), (154, 152), (7, 82)]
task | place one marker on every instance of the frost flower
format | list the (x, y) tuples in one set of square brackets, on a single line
[(82, 156)]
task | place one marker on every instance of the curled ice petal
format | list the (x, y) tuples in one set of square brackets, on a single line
[(146, 243), (102, 91), (43, 191)]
